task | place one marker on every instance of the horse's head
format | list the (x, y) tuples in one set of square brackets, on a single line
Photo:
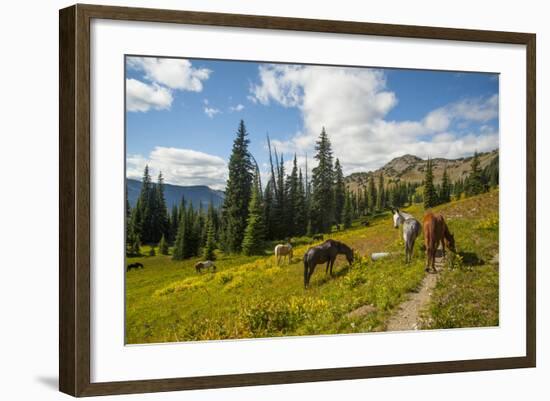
[(450, 240), (397, 218), (349, 255)]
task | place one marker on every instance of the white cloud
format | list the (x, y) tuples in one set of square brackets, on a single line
[(180, 167), (353, 104), (211, 111), (172, 73), (142, 97), (238, 107)]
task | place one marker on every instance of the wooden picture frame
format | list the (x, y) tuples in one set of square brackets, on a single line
[(75, 207)]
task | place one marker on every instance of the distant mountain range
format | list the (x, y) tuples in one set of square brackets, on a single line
[(173, 194), (409, 168)]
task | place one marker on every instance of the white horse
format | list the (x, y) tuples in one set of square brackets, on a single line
[(283, 250), (411, 230)]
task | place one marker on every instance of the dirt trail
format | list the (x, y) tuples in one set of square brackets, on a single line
[(408, 313)]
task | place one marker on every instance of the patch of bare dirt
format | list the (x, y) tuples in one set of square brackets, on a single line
[(362, 311), (407, 316)]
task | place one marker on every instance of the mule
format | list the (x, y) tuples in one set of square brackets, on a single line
[(436, 232), (411, 230), (324, 253), (207, 264), (283, 250)]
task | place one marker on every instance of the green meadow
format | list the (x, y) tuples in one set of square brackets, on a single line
[(249, 297)]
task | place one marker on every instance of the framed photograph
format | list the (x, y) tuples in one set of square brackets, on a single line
[(250, 200)]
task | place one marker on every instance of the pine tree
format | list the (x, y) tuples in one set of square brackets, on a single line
[(180, 241), (136, 245), (254, 234), (174, 220), (300, 208), (430, 196), (322, 197), (292, 188), (237, 192), (475, 184), (163, 246), (347, 215), (372, 194), (380, 199), (210, 246), (159, 213), (146, 201), (339, 192), (445, 193)]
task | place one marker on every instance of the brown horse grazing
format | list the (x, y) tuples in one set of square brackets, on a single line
[(324, 253), (436, 232)]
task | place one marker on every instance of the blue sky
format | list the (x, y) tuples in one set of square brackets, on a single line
[(181, 114)]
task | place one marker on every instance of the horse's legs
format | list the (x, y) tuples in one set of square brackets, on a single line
[(428, 258), (331, 265), (326, 269), (433, 260)]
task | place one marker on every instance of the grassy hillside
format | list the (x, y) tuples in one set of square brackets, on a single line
[(252, 297)]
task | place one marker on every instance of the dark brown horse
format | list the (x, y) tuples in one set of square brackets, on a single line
[(324, 253), (436, 232)]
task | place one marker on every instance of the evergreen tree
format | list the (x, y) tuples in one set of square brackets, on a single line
[(146, 201), (300, 208), (372, 194), (174, 221), (475, 184), (159, 213), (445, 192), (430, 195), (254, 234), (237, 192), (268, 209), (163, 246), (339, 191), (322, 197), (347, 215), (292, 189), (136, 245), (210, 246), (380, 199)]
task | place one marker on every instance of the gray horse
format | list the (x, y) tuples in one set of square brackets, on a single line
[(411, 230)]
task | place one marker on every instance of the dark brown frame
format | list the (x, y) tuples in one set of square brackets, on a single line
[(74, 199)]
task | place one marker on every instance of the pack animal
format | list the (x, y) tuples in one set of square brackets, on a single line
[(207, 264), (411, 230), (436, 232), (283, 250), (324, 253)]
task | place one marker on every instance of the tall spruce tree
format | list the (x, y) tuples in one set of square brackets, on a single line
[(381, 194), (372, 194), (146, 202), (347, 214), (210, 246), (237, 192), (159, 213), (475, 184), (292, 189), (254, 234), (339, 191), (430, 195), (322, 196), (300, 208), (445, 192)]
